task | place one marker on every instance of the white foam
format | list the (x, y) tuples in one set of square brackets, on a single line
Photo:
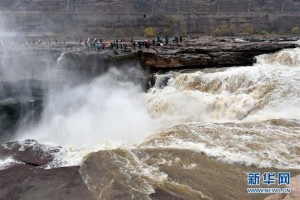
[(236, 94), (73, 156), (8, 162), (259, 144)]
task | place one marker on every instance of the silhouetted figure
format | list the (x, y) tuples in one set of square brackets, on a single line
[(86, 44), (153, 42), (134, 45), (176, 39), (167, 40), (180, 39), (146, 45), (94, 44)]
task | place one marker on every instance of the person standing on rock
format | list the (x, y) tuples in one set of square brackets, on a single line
[(86, 44)]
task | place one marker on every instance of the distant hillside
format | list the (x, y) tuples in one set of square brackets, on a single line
[(130, 17)]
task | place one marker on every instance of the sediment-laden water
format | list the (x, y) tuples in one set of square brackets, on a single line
[(193, 135)]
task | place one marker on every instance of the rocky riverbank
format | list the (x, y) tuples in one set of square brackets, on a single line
[(196, 53), (202, 52), (209, 54)]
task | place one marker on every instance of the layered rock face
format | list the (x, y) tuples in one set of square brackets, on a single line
[(128, 17), (207, 55)]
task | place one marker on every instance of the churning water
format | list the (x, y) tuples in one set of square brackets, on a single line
[(245, 118), (247, 115)]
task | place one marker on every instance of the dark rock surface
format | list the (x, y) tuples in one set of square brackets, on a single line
[(209, 55), (33, 183), (28, 152), (26, 178)]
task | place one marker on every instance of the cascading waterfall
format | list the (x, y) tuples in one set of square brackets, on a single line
[(227, 112), (244, 116)]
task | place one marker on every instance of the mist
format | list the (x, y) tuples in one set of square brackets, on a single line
[(56, 104), (108, 108)]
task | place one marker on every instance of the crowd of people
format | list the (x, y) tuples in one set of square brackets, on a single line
[(98, 44)]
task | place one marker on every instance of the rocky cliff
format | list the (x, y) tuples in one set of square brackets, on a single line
[(130, 17)]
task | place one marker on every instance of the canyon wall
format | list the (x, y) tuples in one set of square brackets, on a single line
[(130, 17)]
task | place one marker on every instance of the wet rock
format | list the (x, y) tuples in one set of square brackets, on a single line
[(31, 183), (29, 152)]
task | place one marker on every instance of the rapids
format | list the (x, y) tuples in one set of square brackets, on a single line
[(244, 118), (247, 115)]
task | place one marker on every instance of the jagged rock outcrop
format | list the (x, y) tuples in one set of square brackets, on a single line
[(208, 55), (25, 177), (28, 152)]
